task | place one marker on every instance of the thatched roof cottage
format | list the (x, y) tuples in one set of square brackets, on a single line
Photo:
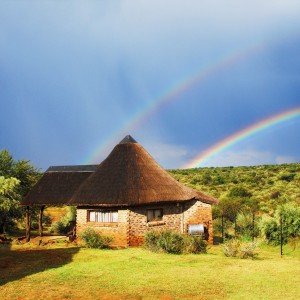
[(125, 196)]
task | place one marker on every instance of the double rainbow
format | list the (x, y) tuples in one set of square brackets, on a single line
[(241, 135), (169, 95)]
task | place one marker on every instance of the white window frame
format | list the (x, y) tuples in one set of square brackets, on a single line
[(102, 216)]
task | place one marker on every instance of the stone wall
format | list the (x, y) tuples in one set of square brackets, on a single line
[(197, 212), (132, 222), (118, 231), (139, 226)]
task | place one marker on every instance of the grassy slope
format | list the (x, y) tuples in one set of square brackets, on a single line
[(269, 184), (74, 273)]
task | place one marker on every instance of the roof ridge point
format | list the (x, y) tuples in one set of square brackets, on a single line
[(128, 139)]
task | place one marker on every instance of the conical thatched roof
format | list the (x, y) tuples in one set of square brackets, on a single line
[(130, 176)]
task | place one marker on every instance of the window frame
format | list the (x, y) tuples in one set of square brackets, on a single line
[(113, 216), (153, 211)]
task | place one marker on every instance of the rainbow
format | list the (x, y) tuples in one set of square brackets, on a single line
[(170, 95), (241, 135)]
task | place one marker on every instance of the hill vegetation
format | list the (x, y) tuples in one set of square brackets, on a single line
[(271, 185), (262, 192)]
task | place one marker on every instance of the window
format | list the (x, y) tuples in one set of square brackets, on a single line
[(103, 216), (154, 214)]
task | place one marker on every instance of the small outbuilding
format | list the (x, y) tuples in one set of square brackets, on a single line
[(125, 196)]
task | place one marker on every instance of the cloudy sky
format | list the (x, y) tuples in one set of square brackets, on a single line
[(179, 76)]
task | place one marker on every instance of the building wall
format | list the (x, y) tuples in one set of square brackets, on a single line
[(138, 221), (119, 231), (197, 212), (132, 222)]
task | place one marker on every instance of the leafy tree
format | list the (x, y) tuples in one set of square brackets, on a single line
[(6, 164), (17, 178), (21, 169), (9, 202)]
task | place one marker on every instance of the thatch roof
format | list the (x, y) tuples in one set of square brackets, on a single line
[(58, 184), (130, 176)]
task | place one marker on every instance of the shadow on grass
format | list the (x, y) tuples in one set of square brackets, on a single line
[(16, 264)]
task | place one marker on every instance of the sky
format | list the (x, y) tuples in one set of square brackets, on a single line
[(178, 76)]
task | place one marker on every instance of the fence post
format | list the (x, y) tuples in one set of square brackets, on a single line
[(28, 221)]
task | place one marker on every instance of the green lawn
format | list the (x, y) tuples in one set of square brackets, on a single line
[(79, 273)]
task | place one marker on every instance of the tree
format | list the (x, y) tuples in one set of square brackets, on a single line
[(21, 170), (6, 163), (17, 178), (9, 201)]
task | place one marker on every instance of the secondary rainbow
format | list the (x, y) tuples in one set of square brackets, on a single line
[(241, 135), (171, 94)]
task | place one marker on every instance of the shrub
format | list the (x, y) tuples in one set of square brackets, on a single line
[(239, 191), (244, 223), (232, 247), (63, 226), (236, 248), (248, 250), (172, 242), (194, 244), (270, 229), (287, 177), (94, 239), (150, 240), (270, 226), (60, 227)]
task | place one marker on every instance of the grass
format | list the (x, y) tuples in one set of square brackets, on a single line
[(56, 213), (78, 273)]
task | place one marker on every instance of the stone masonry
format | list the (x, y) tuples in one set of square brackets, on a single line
[(132, 222), (118, 231)]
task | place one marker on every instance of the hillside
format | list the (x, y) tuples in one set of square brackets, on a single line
[(270, 185)]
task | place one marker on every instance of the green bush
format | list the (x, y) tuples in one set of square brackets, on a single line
[(239, 191), (290, 216), (150, 240), (270, 229), (60, 227), (63, 226), (236, 248), (172, 242), (94, 239), (244, 224), (194, 244), (287, 177)]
